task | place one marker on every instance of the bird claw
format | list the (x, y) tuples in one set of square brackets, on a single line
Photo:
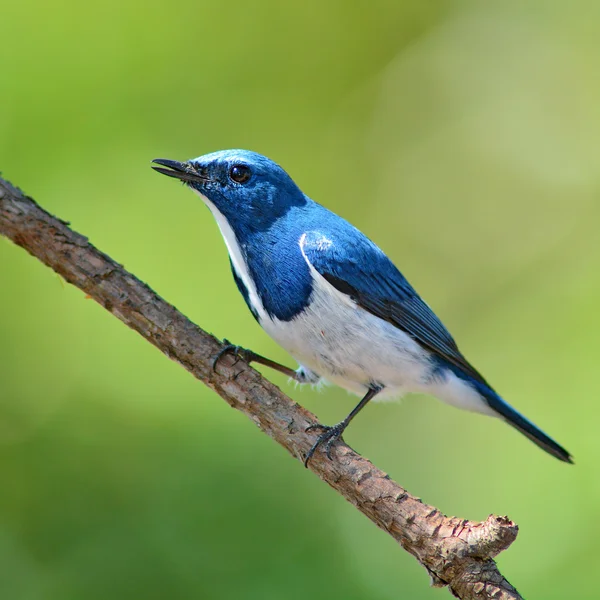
[(230, 348), (330, 435)]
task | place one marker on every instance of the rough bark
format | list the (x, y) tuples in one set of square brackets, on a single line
[(456, 552)]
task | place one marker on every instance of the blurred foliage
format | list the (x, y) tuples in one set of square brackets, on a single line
[(462, 136)]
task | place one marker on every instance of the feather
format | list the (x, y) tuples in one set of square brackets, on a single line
[(371, 280)]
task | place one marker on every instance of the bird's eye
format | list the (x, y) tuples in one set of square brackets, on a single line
[(240, 173)]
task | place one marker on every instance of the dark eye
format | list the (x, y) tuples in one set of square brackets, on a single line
[(240, 173)]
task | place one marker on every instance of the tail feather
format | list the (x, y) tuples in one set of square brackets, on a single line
[(526, 427)]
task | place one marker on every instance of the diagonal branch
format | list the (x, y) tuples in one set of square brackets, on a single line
[(456, 552)]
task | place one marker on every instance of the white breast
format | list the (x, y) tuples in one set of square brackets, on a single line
[(348, 346)]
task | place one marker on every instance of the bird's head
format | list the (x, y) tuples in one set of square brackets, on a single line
[(248, 189)]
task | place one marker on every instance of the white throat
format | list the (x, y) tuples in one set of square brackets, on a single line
[(237, 258)]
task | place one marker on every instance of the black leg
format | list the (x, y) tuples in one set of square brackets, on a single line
[(250, 357), (333, 433)]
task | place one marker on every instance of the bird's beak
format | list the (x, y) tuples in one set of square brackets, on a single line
[(183, 171)]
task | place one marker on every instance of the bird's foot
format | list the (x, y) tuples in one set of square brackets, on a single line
[(330, 435), (251, 357), (237, 351)]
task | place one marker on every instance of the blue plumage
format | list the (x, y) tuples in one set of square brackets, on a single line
[(277, 268), (331, 297), (357, 267)]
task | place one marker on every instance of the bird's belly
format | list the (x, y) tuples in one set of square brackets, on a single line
[(350, 347)]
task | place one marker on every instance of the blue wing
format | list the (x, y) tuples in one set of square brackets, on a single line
[(355, 266)]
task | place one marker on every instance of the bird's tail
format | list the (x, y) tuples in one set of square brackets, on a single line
[(525, 426)]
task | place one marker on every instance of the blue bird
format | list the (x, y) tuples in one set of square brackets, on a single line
[(328, 295)]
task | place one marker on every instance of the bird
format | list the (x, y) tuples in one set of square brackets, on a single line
[(332, 298)]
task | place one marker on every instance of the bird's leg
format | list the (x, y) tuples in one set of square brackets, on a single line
[(250, 357), (333, 433)]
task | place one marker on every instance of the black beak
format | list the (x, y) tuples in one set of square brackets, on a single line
[(182, 171)]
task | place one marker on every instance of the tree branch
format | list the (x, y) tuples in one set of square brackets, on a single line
[(456, 552)]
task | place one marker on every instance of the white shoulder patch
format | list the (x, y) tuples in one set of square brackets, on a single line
[(323, 243)]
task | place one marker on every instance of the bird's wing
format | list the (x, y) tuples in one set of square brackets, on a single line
[(355, 266)]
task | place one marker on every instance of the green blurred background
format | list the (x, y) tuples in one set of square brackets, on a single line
[(461, 136)]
